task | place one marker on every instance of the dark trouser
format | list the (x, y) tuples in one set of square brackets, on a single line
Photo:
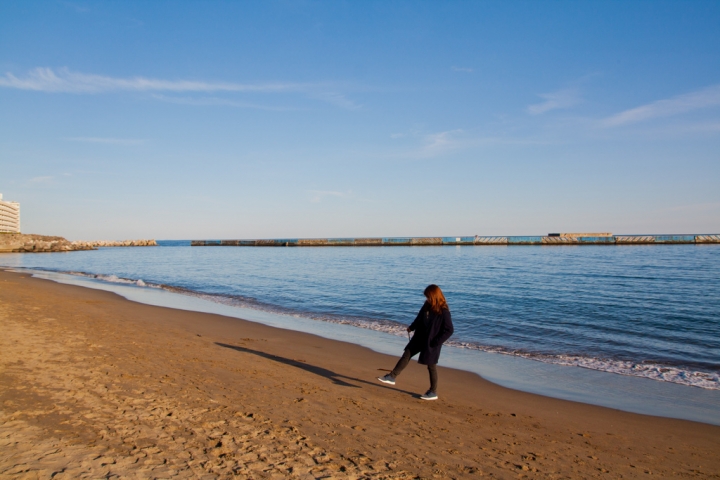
[(403, 362)]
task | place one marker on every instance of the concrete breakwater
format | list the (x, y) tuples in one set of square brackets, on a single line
[(117, 243), (552, 239)]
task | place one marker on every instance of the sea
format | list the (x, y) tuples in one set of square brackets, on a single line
[(632, 327)]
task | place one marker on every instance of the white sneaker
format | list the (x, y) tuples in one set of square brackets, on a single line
[(429, 395), (389, 379)]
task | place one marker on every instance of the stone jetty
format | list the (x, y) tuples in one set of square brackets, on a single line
[(117, 243), (550, 239), (28, 243)]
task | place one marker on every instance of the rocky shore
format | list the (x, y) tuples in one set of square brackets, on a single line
[(16, 242)]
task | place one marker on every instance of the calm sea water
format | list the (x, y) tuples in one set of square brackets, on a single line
[(648, 311)]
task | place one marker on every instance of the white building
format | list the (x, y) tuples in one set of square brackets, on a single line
[(9, 216)]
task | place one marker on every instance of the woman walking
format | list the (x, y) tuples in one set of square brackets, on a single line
[(432, 327)]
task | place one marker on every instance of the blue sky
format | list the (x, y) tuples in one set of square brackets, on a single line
[(309, 119)]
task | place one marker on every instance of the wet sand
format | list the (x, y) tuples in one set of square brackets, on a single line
[(94, 385)]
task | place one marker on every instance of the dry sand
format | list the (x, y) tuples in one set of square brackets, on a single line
[(92, 385)]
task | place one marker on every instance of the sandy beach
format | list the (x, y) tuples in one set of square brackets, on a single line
[(93, 385)]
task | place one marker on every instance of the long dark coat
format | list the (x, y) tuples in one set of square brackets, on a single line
[(431, 331)]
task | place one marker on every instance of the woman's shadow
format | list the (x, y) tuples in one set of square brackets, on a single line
[(336, 378)]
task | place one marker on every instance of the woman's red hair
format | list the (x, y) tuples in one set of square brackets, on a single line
[(436, 299)]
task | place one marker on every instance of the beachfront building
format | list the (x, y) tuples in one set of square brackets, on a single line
[(9, 216)]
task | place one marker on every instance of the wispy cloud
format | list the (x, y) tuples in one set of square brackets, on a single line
[(462, 69), (48, 180), (556, 100), (42, 179), (459, 140), (437, 144), (64, 80), (113, 141), (442, 141), (705, 98), (337, 99), (319, 195)]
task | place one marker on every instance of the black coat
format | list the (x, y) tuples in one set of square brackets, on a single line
[(431, 331)]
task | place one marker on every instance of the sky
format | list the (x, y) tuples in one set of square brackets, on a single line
[(292, 119)]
